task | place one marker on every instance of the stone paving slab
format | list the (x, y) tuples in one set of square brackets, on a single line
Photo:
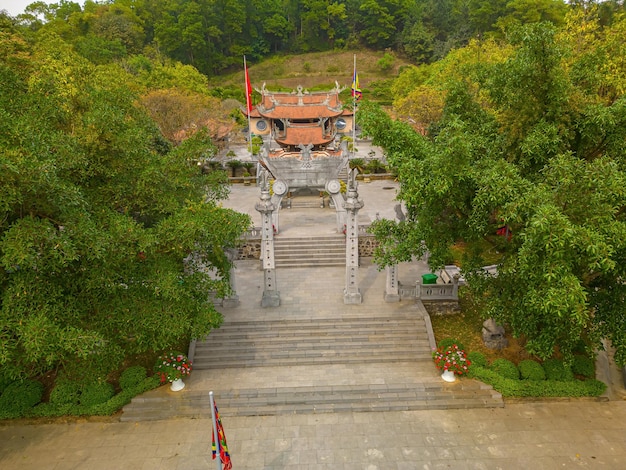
[(520, 436)]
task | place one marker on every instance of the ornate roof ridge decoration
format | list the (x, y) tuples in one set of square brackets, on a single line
[(299, 97)]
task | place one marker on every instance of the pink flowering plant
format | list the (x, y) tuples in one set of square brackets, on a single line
[(172, 366), (452, 358)]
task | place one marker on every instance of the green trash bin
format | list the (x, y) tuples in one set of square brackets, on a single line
[(429, 278)]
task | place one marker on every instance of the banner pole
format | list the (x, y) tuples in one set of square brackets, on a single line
[(218, 458), (354, 107)]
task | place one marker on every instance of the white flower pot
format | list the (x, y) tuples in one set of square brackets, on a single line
[(177, 385), (448, 376)]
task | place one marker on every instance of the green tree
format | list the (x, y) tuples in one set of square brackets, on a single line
[(543, 160), (107, 237)]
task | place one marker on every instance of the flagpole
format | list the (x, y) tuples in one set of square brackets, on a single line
[(248, 102), (354, 108), (218, 459)]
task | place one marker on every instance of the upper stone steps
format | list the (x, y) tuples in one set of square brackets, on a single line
[(310, 251)]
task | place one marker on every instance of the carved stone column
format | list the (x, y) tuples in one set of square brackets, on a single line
[(271, 296), (351, 293), (233, 299), (392, 293)]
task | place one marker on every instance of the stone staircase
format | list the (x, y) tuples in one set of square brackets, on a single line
[(310, 251), (352, 363)]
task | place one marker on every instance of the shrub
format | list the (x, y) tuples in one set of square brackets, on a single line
[(505, 368), (65, 392), (447, 342), (557, 370), (583, 365), (19, 397), (531, 370), (541, 388), (132, 376), (477, 359), (96, 393)]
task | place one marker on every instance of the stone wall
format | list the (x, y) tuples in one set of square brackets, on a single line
[(367, 244), (250, 249)]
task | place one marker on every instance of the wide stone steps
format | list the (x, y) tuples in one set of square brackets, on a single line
[(317, 399), (321, 341), (310, 252), (352, 362)]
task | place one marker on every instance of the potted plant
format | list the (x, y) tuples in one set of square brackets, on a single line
[(172, 367), (451, 360)]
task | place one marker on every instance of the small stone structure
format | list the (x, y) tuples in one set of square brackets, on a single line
[(493, 335)]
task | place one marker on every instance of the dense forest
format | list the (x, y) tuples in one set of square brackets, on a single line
[(213, 35)]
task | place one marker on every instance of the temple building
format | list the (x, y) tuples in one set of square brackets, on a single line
[(302, 133)]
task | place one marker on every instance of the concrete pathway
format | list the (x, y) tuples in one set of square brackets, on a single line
[(549, 435)]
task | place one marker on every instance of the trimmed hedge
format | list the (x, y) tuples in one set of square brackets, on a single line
[(65, 392), (557, 370), (96, 393), (541, 388), (19, 397), (583, 365), (505, 368), (477, 358), (109, 407), (132, 377), (531, 370)]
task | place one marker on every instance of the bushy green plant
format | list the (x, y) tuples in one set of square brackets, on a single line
[(65, 392), (96, 393), (583, 365), (447, 342), (132, 376), (19, 397), (541, 388), (477, 359), (557, 370), (505, 368), (531, 370)]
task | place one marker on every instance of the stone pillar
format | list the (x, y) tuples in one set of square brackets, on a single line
[(233, 299), (271, 296), (351, 293), (392, 293)]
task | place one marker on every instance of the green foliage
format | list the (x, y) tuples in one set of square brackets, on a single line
[(557, 370), (19, 397), (385, 63), (132, 376), (541, 388), (96, 393), (583, 365), (445, 343), (109, 407), (505, 368), (477, 359), (526, 144), (66, 392), (531, 370), (105, 230)]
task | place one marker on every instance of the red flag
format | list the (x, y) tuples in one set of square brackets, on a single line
[(223, 451), (248, 88)]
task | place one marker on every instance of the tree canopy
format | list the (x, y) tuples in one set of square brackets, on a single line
[(524, 162), (212, 35), (111, 239)]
